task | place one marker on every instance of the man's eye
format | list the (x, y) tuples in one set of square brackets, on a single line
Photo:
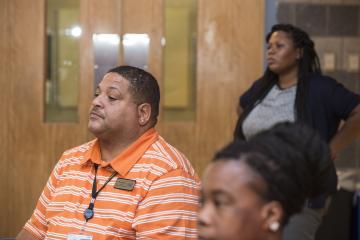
[(96, 94), (111, 98), (220, 202)]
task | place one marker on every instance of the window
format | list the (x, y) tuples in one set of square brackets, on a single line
[(62, 72), (180, 60)]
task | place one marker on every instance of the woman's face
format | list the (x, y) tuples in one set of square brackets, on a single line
[(281, 53), (232, 207)]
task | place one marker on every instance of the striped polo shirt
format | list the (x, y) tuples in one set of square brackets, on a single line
[(163, 203)]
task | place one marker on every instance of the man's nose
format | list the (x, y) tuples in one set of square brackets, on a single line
[(97, 101)]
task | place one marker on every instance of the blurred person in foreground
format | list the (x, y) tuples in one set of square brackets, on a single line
[(252, 188)]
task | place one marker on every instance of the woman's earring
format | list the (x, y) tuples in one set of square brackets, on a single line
[(274, 226)]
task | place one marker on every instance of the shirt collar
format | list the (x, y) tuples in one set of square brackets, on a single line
[(127, 158)]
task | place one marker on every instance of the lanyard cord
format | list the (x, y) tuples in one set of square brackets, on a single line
[(89, 212)]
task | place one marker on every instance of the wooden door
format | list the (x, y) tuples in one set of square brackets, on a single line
[(229, 58)]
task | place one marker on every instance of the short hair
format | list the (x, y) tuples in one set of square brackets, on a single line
[(286, 157), (143, 87)]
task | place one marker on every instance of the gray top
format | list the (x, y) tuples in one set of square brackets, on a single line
[(277, 106)]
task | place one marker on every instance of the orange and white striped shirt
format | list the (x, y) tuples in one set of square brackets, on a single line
[(162, 205)]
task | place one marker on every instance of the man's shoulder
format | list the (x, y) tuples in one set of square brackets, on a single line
[(166, 156), (73, 157), (81, 149), (76, 154)]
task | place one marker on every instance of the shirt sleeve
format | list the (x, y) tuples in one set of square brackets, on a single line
[(169, 209), (37, 224), (342, 100)]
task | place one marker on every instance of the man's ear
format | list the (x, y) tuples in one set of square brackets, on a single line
[(272, 215), (144, 113)]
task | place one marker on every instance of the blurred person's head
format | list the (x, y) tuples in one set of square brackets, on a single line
[(252, 188)]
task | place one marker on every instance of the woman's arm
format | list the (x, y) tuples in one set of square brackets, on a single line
[(347, 133)]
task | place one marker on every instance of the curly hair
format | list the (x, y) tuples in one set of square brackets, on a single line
[(286, 157)]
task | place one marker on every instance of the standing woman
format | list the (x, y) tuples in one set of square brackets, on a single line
[(294, 89)]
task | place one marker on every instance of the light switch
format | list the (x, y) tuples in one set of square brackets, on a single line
[(353, 62), (329, 61)]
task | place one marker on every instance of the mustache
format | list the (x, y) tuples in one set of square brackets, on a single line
[(96, 111)]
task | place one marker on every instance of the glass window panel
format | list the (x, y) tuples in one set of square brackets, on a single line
[(180, 60), (136, 49), (106, 54), (62, 78)]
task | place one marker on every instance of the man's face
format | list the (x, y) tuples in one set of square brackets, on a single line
[(231, 205), (113, 111)]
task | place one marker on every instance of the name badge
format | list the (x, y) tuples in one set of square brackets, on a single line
[(79, 237), (124, 184)]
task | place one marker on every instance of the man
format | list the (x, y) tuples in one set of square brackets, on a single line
[(128, 183)]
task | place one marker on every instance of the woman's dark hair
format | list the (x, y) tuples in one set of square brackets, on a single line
[(309, 65), (286, 157)]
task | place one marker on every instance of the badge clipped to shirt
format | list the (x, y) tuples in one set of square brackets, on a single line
[(79, 237), (125, 184)]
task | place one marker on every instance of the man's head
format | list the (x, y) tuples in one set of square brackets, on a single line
[(143, 87), (126, 104)]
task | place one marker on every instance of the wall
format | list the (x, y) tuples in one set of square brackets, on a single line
[(229, 58)]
